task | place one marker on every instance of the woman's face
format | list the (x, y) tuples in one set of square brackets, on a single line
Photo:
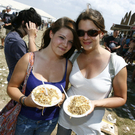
[(88, 42), (61, 41)]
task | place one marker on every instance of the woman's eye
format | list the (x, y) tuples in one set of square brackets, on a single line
[(61, 37), (71, 42)]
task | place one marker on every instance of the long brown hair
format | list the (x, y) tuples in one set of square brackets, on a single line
[(56, 26)]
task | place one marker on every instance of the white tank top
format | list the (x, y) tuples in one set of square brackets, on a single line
[(94, 89)]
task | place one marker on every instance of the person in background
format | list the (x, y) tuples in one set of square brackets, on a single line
[(91, 78), (112, 43), (42, 24), (129, 55), (122, 42), (25, 23), (7, 18), (2, 29), (126, 45), (51, 62)]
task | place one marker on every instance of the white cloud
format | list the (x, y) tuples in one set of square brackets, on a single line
[(112, 10)]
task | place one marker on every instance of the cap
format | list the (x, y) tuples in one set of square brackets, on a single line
[(8, 7)]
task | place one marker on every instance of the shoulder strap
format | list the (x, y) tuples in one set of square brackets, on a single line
[(112, 72), (30, 65), (75, 55), (111, 67)]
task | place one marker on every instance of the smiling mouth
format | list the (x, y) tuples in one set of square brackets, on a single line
[(63, 49), (86, 43)]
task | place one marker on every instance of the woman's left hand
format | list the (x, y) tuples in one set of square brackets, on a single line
[(62, 100), (91, 107)]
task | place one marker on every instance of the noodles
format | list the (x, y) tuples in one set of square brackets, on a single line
[(43, 99), (78, 105)]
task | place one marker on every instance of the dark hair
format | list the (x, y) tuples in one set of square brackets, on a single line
[(93, 15), (116, 30), (26, 16), (64, 22)]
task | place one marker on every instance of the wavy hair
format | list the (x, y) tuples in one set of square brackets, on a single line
[(64, 22)]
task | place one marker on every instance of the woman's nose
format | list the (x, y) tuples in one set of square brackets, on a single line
[(85, 36), (65, 42)]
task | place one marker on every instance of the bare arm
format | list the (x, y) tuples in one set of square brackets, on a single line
[(32, 33), (16, 80), (120, 92), (7, 24), (115, 48), (107, 47)]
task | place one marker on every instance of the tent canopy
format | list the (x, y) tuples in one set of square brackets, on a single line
[(20, 6), (122, 27)]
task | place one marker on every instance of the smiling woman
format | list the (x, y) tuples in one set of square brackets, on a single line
[(90, 77), (51, 62)]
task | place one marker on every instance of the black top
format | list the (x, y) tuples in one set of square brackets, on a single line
[(7, 19), (112, 42)]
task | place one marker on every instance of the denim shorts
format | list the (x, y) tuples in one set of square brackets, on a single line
[(26, 126)]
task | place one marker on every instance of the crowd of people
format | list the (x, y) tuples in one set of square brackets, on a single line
[(6, 17), (88, 75), (122, 45)]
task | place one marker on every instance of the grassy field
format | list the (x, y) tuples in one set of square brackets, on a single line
[(125, 115)]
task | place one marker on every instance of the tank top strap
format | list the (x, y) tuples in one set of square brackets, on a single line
[(64, 78)]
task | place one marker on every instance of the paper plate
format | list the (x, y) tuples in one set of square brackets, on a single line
[(67, 103), (54, 100)]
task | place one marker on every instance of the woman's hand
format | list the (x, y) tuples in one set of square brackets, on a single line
[(30, 103), (62, 100), (31, 30), (32, 34), (91, 107)]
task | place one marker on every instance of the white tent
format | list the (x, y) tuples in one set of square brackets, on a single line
[(20, 6)]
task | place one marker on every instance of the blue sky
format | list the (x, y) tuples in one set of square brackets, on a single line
[(112, 10)]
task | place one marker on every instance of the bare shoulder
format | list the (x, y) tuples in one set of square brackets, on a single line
[(25, 58), (23, 62)]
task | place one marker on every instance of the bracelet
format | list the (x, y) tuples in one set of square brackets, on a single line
[(23, 101), (20, 99)]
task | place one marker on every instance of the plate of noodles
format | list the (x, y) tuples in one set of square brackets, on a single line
[(40, 98), (77, 106)]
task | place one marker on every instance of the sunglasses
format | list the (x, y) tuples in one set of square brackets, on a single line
[(92, 33)]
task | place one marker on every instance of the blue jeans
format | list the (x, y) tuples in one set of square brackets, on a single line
[(27, 126), (63, 131)]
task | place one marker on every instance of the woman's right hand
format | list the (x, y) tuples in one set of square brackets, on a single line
[(31, 30), (30, 103), (32, 34)]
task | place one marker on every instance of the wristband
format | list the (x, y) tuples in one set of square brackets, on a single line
[(20, 99), (23, 101)]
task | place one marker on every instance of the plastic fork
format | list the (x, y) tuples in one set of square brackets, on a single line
[(64, 91), (44, 86)]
